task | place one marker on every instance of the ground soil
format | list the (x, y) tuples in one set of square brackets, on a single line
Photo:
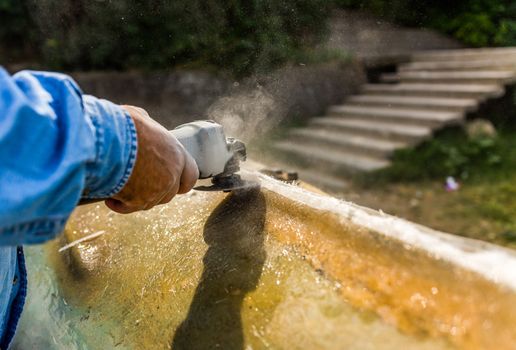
[(477, 211)]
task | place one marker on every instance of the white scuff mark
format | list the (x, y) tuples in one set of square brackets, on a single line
[(82, 239), (495, 263)]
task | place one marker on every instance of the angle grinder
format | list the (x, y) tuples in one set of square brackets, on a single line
[(217, 157)]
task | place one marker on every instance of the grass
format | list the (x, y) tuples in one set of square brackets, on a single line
[(483, 208)]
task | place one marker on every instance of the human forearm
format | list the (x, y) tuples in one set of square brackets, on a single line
[(54, 145)]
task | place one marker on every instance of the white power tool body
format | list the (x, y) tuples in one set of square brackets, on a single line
[(217, 156)]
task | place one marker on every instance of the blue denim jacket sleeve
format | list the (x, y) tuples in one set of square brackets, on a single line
[(56, 146)]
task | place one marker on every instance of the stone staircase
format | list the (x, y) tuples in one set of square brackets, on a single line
[(433, 90)]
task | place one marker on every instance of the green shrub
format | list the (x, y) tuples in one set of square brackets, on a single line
[(16, 31), (242, 36), (481, 23), (452, 153), (474, 22)]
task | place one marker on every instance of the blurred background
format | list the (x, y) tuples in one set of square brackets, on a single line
[(340, 92), (241, 37)]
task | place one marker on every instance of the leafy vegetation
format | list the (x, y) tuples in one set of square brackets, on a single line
[(16, 31), (453, 153), (242, 36), (474, 22), (414, 186)]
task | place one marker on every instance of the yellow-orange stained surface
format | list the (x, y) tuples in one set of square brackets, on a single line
[(254, 269)]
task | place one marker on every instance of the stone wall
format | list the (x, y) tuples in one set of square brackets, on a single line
[(248, 108), (169, 97)]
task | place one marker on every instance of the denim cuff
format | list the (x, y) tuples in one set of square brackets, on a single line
[(116, 148)]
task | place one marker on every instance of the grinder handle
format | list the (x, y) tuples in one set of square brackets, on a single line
[(205, 141)]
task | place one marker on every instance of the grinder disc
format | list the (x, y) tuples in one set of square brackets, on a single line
[(227, 184)]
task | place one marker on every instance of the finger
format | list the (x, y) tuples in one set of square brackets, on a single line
[(168, 197), (189, 176), (157, 200), (120, 207), (135, 109), (174, 189), (170, 194)]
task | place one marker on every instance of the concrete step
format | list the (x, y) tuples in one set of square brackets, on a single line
[(337, 162), (322, 180), (434, 90), (454, 77), (408, 134), (389, 78), (339, 140), (466, 54), (398, 115), (489, 64), (433, 103), (478, 91)]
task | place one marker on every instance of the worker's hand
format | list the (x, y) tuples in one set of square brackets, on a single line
[(163, 168)]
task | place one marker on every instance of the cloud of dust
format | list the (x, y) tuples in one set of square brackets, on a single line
[(260, 103), (246, 113)]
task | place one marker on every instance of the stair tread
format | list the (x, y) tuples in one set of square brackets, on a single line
[(462, 74), (390, 78), (414, 100), (462, 65), (467, 50), (346, 138), (397, 112), (341, 158), (411, 130), (486, 88), (504, 75), (462, 53), (442, 87)]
